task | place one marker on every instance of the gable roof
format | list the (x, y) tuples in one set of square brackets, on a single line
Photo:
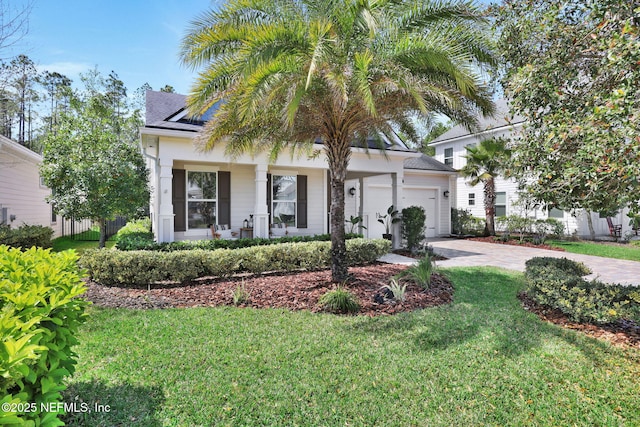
[(168, 111), (501, 118), (427, 163)]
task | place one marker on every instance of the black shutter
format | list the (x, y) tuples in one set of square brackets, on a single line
[(302, 201), (179, 200), (269, 198), (224, 198)]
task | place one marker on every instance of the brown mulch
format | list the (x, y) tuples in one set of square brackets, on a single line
[(622, 334), (493, 239), (296, 291)]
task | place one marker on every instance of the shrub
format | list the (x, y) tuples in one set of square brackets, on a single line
[(40, 314), (420, 273), (557, 283), (413, 219), (240, 295), (26, 236), (135, 234), (339, 300), (398, 291), (142, 268)]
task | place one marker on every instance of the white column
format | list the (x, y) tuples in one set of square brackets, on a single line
[(260, 211), (165, 229), (361, 206)]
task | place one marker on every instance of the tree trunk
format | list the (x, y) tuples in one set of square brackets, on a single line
[(490, 207), (102, 223), (338, 155), (592, 232)]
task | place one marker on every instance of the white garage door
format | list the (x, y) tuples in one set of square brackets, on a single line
[(426, 199)]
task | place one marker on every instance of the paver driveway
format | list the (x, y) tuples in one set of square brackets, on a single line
[(467, 253)]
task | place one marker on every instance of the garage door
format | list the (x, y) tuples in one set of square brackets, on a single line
[(426, 199)]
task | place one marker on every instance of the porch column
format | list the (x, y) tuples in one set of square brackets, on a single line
[(165, 229), (260, 211), (397, 180)]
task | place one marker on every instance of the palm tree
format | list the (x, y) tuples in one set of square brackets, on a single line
[(295, 73), (485, 162)]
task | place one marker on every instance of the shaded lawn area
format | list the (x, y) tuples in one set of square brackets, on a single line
[(627, 251), (65, 243), (482, 360)]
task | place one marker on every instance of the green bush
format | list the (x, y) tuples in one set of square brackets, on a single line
[(558, 283), (136, 242), (339, 300), (421, 272), (142, 268), (26, 236), (413, 229), (135, 234), (39, 317)]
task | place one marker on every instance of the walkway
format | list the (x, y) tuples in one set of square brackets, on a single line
[(467, 253)]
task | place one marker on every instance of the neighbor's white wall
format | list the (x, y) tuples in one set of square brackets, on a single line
[(20, 189)]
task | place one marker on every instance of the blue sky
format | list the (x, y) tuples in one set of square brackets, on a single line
[(138, 39)]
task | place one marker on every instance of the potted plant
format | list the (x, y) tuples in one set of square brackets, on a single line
[(391, 217), (353, 222)]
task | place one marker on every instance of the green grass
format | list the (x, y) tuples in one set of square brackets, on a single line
[(64, 243), (481, 361), (629, 252)]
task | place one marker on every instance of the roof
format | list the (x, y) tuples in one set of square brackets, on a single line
[(168, 111), (501, 118), (427, 163)]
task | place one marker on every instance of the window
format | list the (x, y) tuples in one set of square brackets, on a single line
[(556, 213), (501, 204), (201, 199), (284, 198), (448, 156), (472, 199)]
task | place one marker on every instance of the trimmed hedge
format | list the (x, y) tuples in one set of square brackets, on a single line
[(26, 236), (39, 317), (140, 242), (142, 268), (138, 230), (558, 283)]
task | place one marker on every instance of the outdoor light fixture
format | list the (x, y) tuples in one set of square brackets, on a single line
[(352, 191), (446, 194)]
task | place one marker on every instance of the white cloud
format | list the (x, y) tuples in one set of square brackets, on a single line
[(69, 69)]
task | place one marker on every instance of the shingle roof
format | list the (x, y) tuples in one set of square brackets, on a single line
[(501, 118), (427, 163), (161, 107)]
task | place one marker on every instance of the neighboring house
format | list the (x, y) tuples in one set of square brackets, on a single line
[(450, 150), (192, 189), (22, 193)]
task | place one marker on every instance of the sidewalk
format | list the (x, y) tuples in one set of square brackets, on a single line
[(467, 253)]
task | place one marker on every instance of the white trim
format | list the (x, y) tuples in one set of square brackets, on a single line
[(478, 134), (201, 168), (178, 116), (284, 172)]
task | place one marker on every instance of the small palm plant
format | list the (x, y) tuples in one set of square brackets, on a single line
[(339, 300)]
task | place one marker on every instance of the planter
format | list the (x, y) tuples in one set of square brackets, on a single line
[(387, 236)]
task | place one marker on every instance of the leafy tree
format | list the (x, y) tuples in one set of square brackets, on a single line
[(485, 162), (92, 162), (572, 70), (58, 90), (291, 73)]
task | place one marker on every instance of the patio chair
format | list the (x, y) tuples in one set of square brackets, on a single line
[(222, 231), (615, 230)]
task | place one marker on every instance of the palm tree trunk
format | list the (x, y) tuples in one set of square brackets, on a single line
[(490, 207), (338, 155)]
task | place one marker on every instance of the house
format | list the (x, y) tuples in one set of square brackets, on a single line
[(450, 149), (22, 193), (192, 189)]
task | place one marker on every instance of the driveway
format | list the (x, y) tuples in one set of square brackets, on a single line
[(467, 253)]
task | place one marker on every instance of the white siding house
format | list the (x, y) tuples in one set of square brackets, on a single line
[(192, 189), (450, 149), (22, 194)]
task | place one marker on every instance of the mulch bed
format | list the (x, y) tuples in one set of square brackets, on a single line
[(492, 239), (297, 291), (623, 334)]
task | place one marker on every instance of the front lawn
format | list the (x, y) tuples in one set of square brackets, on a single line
[(65, 243), (482, 360), (627, 251)]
